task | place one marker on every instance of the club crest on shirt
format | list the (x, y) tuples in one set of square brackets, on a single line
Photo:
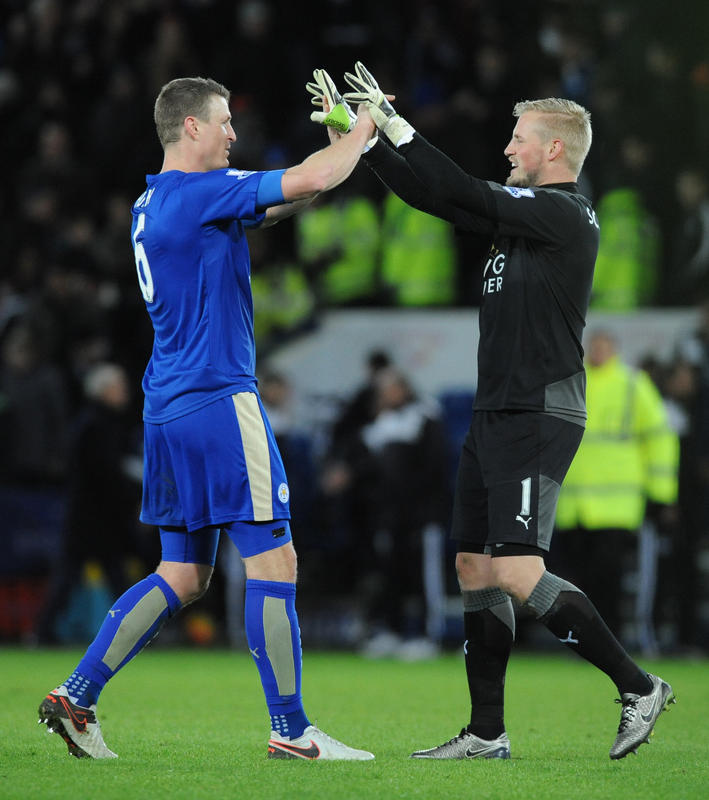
[(283, 493), (240, 174), (515, 191)]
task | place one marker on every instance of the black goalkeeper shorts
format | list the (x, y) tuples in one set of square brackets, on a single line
[(509, 476)]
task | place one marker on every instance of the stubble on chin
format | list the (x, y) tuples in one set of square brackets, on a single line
[(521, 182)]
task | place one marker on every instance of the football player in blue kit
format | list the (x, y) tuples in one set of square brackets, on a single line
[(211, 461)]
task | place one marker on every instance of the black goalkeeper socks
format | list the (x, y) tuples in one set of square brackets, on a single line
[(489, 632), (568, 613)]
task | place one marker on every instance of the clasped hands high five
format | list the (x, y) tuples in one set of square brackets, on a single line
[(337, 112)]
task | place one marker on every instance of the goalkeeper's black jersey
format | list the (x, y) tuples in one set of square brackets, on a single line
[(536, 281), (536, 289)]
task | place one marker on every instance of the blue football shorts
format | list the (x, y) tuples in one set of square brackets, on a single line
[(200, 547), (215, 466)]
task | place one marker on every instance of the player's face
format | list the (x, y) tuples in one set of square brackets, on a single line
[(526, 153), (216, 134)]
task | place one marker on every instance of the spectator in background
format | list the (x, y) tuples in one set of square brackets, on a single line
[(361, 408), (284, 302), (55, 165), (112, 131), (104, 478), (681, 389), (621, 484), (688, 277), (418, 256), (628, 265), (338, 241), (33, 409), (405, 465), (342, 500), (111, 253), (688, 386)]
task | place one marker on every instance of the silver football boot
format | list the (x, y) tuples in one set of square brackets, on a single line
[(638, 717), (468, 745)]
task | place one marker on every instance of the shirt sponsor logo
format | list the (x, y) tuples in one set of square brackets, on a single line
[(239, 174), (515, 191), (493, 272)]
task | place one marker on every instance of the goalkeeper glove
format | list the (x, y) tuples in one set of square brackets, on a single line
[(367, 91), (340, 116)]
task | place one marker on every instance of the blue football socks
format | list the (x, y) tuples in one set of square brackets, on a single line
[(273, 634), (133, 620)]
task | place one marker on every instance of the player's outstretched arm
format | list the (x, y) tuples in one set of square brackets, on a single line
[(329, 167), (442, 176), (449, 186)]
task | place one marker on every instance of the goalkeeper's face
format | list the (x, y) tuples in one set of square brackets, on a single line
[(526, 152)]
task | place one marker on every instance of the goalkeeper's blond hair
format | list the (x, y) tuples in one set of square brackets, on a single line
[(565, 120)]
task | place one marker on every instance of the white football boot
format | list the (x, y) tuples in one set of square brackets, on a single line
[(314, 745), (78, 726)]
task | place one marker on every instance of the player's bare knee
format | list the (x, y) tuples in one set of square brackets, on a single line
[(188, 581), (190, 591), (473, 571), (517, 576), (200, 587)]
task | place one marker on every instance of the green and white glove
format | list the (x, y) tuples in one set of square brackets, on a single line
[(341, 117), (367, 91)]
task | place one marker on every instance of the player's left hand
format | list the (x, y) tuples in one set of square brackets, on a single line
[(337, 112)]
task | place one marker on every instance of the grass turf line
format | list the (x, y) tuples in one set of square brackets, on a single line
[(193, 724)]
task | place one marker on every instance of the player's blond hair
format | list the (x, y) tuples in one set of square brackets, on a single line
[(180, 98), (563, 119)]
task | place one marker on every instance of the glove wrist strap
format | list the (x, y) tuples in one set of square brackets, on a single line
[(398, 131)]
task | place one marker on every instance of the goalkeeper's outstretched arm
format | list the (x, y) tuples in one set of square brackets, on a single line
[(395, 171), (451, 184), (448, 183)]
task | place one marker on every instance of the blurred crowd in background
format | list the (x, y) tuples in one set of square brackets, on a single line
[(78, 79)]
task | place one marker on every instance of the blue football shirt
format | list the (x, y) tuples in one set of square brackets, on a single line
[(193, 267)]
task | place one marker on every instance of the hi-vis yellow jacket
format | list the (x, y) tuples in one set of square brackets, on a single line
[(628, 454), (418, 256), (344, 236)]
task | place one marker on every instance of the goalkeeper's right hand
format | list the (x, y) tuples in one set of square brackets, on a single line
[(367, 91), (336, 113)]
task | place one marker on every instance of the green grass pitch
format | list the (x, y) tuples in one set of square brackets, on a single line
[(192, 724)]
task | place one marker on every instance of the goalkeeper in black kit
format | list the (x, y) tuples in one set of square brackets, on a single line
[(530, 401)]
